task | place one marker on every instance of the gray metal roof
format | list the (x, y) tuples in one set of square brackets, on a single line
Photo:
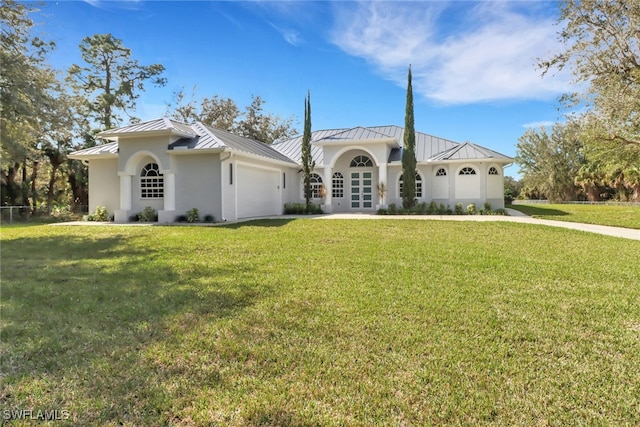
[(197, 136), (157, 125), (210, 137), (110, 148), (354, 134), (428, 147), (469, 151)]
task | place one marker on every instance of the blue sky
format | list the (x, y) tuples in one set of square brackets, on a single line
[(473, 62)]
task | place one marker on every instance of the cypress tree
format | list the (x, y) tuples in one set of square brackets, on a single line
[(409, 152), (307, 159)]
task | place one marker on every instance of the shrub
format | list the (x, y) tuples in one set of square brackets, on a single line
[(301, 209), (294, 208), (382, 211), (148, 215), (181, 218), (449, 210), (458, 209), (393, 209), (442, 209), (209, 218), (100, 214), (421, 208), (432, 209), (193, 215), (471, 209), (487, 207), (500, 212)]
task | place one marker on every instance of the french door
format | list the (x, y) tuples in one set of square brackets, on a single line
[(361, 190)]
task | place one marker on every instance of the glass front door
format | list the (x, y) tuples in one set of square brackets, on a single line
[(361, 190)]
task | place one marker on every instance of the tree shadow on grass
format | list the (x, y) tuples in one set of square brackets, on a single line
[(276, 222), (539, 211), (82, 317)]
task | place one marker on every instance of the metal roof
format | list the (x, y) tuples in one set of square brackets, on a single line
[(469, 151), (428, 147), (157, 125), (109, 149), (357, 133), (199, 136)]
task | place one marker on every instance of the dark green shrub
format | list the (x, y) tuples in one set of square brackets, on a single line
[(442, 209), (100, 214), (382, 211), (459, 210), (432, 209), (193, 215), (148, 215), (181, 218), (487, 208), (209, 218), (393, 209)]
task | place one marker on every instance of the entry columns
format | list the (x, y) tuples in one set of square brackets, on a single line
[(122, 214), (382, 180), (328, 182)]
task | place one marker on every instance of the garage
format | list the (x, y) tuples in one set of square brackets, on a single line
[(258, 191)]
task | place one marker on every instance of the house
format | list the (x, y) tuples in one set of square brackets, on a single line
[(174, 167)]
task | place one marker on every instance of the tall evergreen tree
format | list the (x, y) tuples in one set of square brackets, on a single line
[(112, 79), (409, 152), (307, 159)]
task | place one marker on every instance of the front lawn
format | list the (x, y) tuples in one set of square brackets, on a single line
[(613, 215), (315, 322)]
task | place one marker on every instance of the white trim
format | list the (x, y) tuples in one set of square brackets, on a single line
[(339, 154)]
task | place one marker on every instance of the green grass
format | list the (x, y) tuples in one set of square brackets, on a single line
[(612, 215), (312, 322)]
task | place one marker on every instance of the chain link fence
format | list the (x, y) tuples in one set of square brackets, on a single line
[(25, 214)]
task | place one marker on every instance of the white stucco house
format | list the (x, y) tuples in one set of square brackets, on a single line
[(174, 167)]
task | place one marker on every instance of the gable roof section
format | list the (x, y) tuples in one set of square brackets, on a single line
[(109, 150), (469, 151), (162, 125), (354, 134), (209, 137)]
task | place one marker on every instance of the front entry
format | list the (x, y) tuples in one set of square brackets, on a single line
[(361, 190)]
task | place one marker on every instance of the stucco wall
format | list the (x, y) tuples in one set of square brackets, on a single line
[(198, 184), (104, 184)]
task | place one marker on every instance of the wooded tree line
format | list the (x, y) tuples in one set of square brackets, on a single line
[(595, 152), (47, 113)]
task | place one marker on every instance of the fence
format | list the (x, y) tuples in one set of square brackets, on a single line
[(25, 213)]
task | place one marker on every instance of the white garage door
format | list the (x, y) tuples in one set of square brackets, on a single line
[(258, 192)]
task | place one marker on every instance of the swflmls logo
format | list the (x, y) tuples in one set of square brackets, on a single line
[(39, 415)]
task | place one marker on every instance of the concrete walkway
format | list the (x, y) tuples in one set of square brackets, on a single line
[(514, 216)]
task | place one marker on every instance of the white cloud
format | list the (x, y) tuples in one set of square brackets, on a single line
[(289, 35), (538, 125), (460, 52)]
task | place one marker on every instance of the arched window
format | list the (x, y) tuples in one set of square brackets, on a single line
[(418, 185), (337, 186), (493, 171), (361, 162), (441, 172), (151, 182), (315, 181), (467, 171)]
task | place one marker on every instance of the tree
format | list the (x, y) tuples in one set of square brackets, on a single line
[(111, 80), (28, 88), (550, 162), (263, 127), (223, 113), (409, 152), (307, 158), (603, 51), (220, 113)]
